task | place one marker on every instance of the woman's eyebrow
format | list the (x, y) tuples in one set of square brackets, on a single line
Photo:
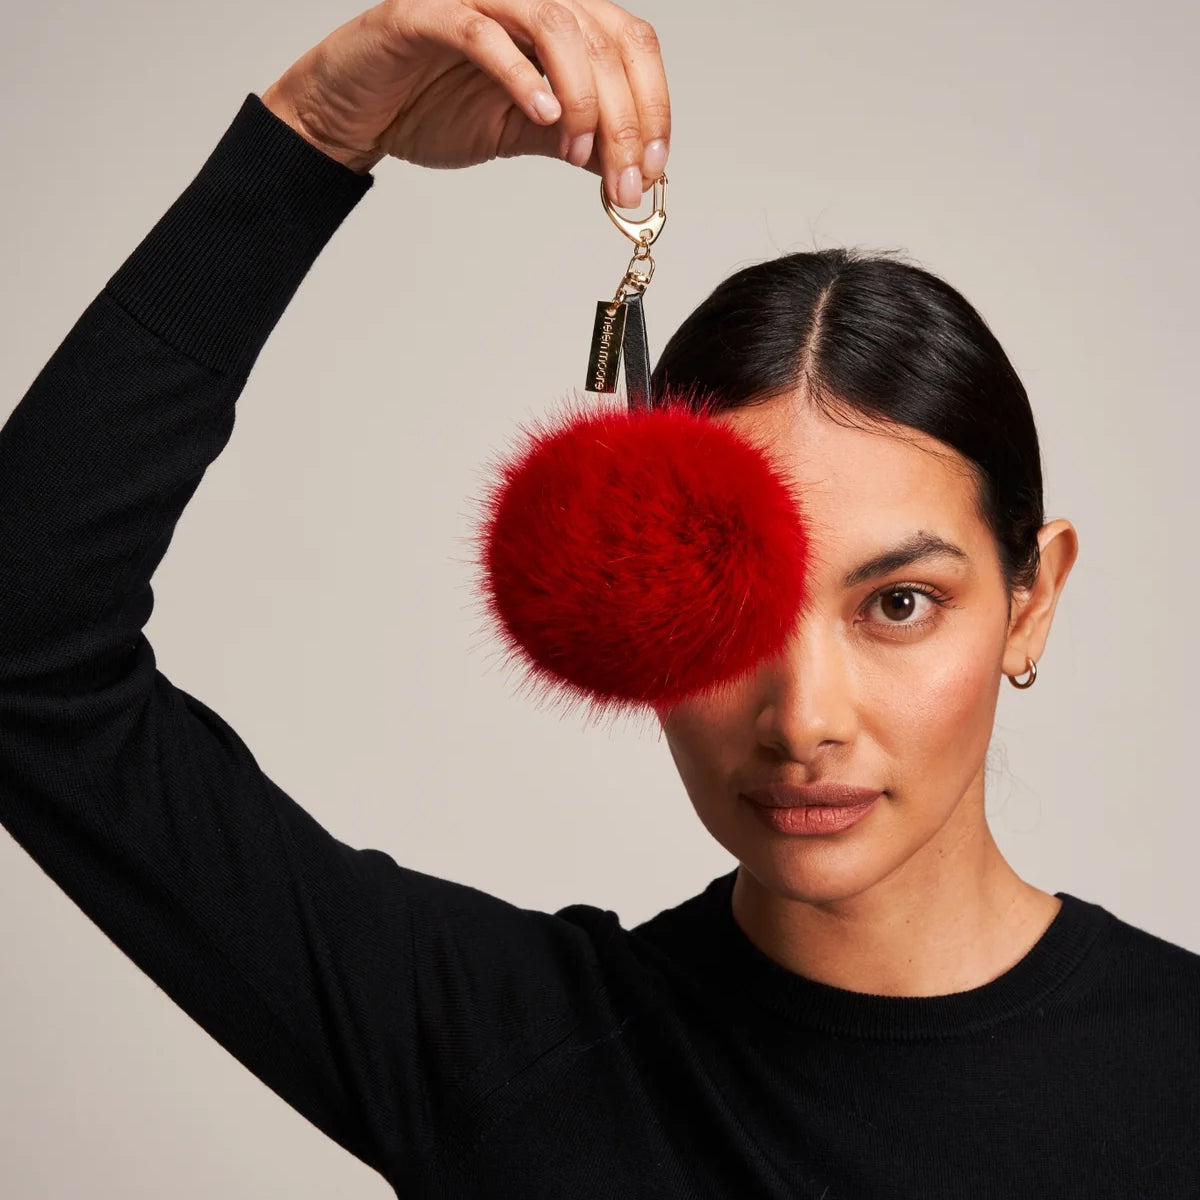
[(919, 545)]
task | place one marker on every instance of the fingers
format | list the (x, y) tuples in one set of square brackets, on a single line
[(648, 83), (620, 129), (475, 32), (607, 89), (557, 45), (628, 44), (634, 125)]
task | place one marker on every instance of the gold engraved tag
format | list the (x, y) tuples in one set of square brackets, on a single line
[(604, 358)]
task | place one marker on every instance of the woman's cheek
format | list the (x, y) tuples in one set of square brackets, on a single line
[(946, 703)]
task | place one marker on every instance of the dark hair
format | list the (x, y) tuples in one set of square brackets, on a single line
[(872, 335)]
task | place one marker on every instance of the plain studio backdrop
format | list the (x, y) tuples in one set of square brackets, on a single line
[(1040, 155)]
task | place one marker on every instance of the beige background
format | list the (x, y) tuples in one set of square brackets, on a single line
[(1039, 154)]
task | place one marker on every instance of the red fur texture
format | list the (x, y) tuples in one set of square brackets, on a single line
[(633, 558)]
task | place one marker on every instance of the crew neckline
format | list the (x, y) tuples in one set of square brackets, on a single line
[(752, 976)]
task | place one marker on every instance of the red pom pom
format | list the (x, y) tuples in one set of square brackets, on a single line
[(633, 558)]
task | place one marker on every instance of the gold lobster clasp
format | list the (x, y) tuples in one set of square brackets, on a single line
[(643, 231)]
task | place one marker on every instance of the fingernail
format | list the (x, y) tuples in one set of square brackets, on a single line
[(656, 158), (580, 150), (546, 106), (629, 187)]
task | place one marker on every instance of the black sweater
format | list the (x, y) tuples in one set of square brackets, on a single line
[(459, 1045)]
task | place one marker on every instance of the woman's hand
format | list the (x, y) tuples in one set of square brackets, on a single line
[(451, 83)]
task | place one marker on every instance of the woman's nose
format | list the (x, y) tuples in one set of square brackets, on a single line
[(806, 700)]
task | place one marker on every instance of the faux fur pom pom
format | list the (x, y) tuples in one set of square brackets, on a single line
[(634, 558)]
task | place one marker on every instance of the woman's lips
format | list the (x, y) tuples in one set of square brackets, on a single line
[(811, 808), (828, 794)]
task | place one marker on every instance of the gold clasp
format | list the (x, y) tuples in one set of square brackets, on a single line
[(643, 231), (634, 280)]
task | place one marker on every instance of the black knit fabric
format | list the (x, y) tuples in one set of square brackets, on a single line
[(461, 1046)]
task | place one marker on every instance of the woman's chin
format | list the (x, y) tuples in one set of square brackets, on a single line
[(813, 868), (811, 880)]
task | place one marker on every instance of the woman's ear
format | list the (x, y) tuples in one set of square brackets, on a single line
[(1032, 608)]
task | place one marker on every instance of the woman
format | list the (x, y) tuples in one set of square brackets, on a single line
[(873, 1004)]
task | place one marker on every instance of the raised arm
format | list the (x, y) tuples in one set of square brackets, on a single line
[(379, 1002)]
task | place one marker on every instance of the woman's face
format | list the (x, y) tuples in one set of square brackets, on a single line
[(888, 681)]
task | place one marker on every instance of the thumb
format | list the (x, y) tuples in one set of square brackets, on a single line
[(552, 141)]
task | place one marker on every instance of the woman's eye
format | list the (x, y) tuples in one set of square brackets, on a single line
[(897, 605)]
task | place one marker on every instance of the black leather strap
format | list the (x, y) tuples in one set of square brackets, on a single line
[(637, 354)]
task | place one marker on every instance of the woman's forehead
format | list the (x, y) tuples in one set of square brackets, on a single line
[(864, 489)]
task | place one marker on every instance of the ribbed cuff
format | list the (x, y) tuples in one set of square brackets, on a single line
[(216, 272)]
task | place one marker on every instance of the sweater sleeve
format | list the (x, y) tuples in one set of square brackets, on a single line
[(381, 1003)]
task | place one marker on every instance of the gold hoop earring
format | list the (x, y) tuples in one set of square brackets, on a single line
[(1031, 668)]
